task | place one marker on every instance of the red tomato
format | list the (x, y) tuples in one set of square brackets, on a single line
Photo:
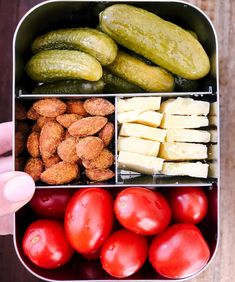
[(45, 244), (179, 251), (89, 219), (188, 204), (142, 211), (50, 203), (124, 253)]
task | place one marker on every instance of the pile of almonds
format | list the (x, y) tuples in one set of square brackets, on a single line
[(65, 137)]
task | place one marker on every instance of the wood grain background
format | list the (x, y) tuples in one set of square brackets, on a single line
[(222, 13)]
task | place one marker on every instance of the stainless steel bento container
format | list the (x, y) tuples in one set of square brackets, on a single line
[(56, 14)]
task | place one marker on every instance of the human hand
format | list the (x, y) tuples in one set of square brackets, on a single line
[(16, 188)]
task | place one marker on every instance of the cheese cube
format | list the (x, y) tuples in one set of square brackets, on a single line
[(173, 151), (197, 169), (173, 121), (149, 118), (139, 103), (185, 106), (143, 131), (187, 135), (139, 163), (138, 145)]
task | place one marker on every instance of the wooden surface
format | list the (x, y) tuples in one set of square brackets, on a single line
[(222, 13)]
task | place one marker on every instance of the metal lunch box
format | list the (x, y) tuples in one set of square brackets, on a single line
[(56, 14)]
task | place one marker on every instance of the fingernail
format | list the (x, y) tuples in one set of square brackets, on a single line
[(19, 188)]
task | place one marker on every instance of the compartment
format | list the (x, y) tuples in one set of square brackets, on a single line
[(23, 129), (80, 269)]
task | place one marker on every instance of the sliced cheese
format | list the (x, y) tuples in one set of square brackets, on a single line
[(173, 121), (213, 109), (213, 120), (143, 131), (149, 118), (197, 169), (185, 106), (212, 152), (139, 103), (187, 135), (139, 163), (138, 145), (213, 170), (214, 136), (173, 151)]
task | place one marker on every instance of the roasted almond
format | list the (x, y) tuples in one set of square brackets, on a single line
[(68, 119), (76, 107), (33, 144), (54, 159), (32, 114), (97, 174), (67, 150), (89, 148), (34, 167), (106, 133), (98, 107), (50, 107), (41, 121), (104, 160)]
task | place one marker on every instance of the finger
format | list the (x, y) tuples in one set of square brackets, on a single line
[(16, 189), (6, 224), (6, 164), (6, 129)]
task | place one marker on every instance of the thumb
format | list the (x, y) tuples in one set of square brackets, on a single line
[(16, 189)]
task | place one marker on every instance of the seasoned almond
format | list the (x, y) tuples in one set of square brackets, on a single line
[(98, 107), (54, 159), (67, 119), (87, 126), (89, 148), (43, 120), (76, 107), (104, 160), (50, 107), (67, 150), (97, 174), (60, 173), (34, 167), (32, 114), (33, 144), (106, 133), (51, 135)]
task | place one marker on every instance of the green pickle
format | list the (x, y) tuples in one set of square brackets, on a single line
[(70, 87), (54, 65), (88, 40), (160, 41)]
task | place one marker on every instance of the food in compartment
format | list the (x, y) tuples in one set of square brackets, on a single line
[(154, 38), (185, 106), (177, 151), (181, 140), (187, 135), (138, 145), (213, 152), (147, 77), (193, 169), (139, 163), (142, 131), (177, 121), (64, 143)]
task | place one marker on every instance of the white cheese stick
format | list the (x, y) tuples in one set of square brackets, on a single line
[(214, 136), (187, 135), (139, 163), (139, 103), (213, 120), (143, 131), (197, 169), (149, 118), (174, 121), (185, 106), (213, 109), (173, 151), (213, 170), (138, 145), (213, 152)]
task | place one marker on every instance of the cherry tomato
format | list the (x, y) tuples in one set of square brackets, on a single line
[(142, 211), (124, 253), (89, 219), (50, 203), (45, 244), (179, 251), (188, 204)]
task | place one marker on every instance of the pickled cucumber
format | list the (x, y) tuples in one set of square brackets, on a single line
[(71, 87), (149, 78), (88, 40), (115, 84), (160, 41), (53, 65)]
